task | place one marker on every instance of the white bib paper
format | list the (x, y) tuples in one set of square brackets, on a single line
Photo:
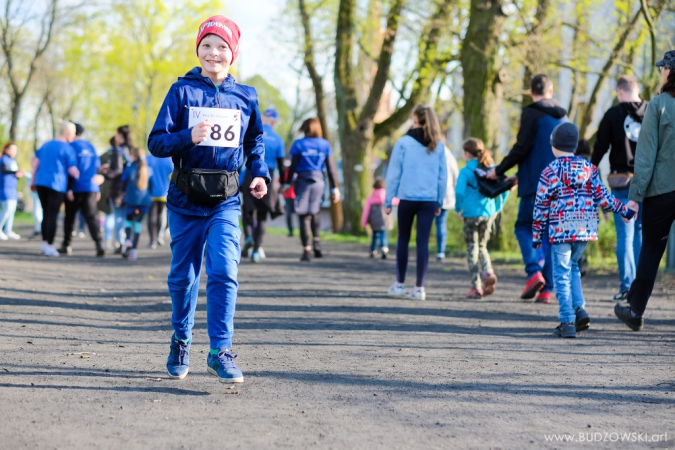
[(226, 128)]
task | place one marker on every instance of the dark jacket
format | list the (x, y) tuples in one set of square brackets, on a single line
[(113, 187), (172, 137), (532, 151), (620, 123)]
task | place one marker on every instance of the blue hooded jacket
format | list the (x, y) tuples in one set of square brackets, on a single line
[(171, 136)]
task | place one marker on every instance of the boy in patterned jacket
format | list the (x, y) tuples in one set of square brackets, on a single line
[(567, 201)]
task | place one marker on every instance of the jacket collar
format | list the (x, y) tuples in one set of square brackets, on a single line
[(196, 74)]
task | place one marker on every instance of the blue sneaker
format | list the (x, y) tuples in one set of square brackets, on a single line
[(583, 321), (178, 363), (222, 365)]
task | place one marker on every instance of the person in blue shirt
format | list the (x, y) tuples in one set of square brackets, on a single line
[(54, 162), (159, 189), (308, 157), (270, 204), (83, 194), (137, 179), (9, 175), (203, 200)]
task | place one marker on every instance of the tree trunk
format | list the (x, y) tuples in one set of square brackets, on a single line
[(479, 57), (535, 54)]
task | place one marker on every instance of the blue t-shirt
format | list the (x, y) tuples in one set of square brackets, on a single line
[(313, 153), (161, 175), (274, 147), (88, 163), (132, 195), (8, 181), (55, 159)]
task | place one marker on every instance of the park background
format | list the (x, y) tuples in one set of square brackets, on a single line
[(359, 65)]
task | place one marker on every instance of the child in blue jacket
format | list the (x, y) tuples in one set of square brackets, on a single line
[(203, 199), (136, 179), (567, 201), (478, 213)]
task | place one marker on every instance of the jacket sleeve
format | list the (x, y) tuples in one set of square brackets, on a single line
[(166, 138), (542, 204), (331, 172), (605, 200), (602, 141), (500, 201), (394, 171), (254, 147), (645, 153), (442, 175), (523, 146), (460, 190)]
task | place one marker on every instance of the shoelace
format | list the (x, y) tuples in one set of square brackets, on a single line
[(182, 352), (226, 358)]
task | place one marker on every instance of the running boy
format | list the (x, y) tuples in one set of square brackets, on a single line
[(567, 199), (206, 124)]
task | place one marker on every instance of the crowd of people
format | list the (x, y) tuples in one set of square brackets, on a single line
[(214, 156)]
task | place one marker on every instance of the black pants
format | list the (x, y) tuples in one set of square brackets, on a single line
[(256, 229), (309, 222), (51, 201), (425, 213), (658, 214), (156, 217), (86, 203)]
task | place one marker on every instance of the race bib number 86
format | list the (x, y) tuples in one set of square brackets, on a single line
[(226, 125)]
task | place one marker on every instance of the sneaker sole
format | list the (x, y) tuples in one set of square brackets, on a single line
[(225, 380), (583, 324), (532, 291), (180, 377)]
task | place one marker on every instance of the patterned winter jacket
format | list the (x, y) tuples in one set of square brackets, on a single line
[(568, 197)]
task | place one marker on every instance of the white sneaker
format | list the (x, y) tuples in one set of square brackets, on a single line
[(81, 235), (418, 293), (133, 256), (261, 252), (125, 248), (50, 250), (13, 235), (3, 236), (397, 290), (44, 248)]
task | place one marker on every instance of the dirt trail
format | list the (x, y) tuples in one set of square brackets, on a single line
[(329, 361)]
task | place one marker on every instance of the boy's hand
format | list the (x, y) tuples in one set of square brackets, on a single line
[(635, 206), (258, 186), (200, 133), (387, 211)]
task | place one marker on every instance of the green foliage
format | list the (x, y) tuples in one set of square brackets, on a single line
[(270, 97)]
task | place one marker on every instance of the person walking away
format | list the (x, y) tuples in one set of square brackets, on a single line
[(618, 133), (9, 177), (532, 153), (418, 176), (653, 186), (203, 200), (54, 162), (112, 193), (478, 213), (289, 199), (83, 194), (373, 214), (568, 196), (269, 204), (308, 157), (161, 169), (136, 178), (448, 205)]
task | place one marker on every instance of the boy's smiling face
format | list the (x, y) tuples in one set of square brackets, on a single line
[(215, 56)]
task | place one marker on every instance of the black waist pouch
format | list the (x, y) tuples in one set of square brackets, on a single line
[(206, 185)]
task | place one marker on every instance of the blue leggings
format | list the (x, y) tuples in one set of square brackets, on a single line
[(425, 212)]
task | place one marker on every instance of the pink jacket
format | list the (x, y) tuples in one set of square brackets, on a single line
[(376, 198)]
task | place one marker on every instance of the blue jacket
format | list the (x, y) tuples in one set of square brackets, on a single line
[(8, 180), (88, 163), (171, 136), (132, 195), (161, 174), (416, 175), (532, 151), (274, 148), (469, 201)]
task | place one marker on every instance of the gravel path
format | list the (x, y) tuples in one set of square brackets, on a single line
[(329, 361)]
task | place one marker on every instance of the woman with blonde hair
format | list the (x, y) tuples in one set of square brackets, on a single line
[(417, 175)]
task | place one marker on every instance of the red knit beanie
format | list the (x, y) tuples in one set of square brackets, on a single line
[(223, 27)]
